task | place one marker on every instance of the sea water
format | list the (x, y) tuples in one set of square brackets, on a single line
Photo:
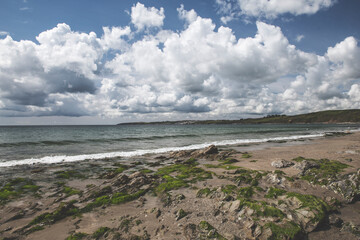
[(21, 145)]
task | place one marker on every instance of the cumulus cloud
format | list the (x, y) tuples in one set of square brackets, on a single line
[(145, 17), (199, 72), (188, 16), (231, 9)]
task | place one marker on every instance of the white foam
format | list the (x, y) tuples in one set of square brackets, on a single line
[(76, 158)]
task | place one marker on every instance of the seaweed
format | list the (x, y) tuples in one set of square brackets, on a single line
[(211, 232), (64, 210), (181, 214), (69, 191), (77, 236), (224, 166), (275, 192), (126, 224), (246, 155), (246, 176), (100, 232), (246, 192), (116, 198), (228, 189), (203, 192), (182, 175), (15, 187), (261, 209), (229, 161), (289, 230), (69, 174)]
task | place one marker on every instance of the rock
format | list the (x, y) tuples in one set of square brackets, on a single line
[(274, 179), (228, 198), (216, 212), (305, 165), (180, 214), (348, 187), (306, 219), (136, 175), (191, 231), (210, 150), (282, 164), (351, 228), (335, 221), (179, 197), (257, 231), (156, 211), (180, 154), (121, 180), (206, 152), (235, 205), (212, 234), (267, 234), (108, 175)]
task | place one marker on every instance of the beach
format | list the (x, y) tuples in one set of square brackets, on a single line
[(281, 189)]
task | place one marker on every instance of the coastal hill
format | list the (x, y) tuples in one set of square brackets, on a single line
[(331, 116)]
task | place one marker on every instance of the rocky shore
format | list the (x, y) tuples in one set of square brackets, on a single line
[(298, 190)]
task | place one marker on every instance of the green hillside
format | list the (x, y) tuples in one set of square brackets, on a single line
[(331, 116)]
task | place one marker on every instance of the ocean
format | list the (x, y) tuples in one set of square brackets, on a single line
[(21, 145)]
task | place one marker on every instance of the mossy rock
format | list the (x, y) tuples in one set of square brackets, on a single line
[(288, 230), (313, 203)]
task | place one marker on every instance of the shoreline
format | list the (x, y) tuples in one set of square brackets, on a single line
[(59, 159), (169, 196)]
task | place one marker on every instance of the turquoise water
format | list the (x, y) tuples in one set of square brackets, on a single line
[(51, 144)]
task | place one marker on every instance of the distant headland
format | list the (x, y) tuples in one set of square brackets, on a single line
[(330, 116)]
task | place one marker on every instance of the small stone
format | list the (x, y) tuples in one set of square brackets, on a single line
[(212, 233), (335, 221), (228, 198), (235, 205), (257, 231), (180, 214), (180, 197)]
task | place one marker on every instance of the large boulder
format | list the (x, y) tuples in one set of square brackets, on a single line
[(282, 164)]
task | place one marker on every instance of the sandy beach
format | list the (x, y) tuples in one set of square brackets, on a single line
[(304, 189)]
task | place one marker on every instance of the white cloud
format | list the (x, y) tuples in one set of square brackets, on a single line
[(299, 38), (188, 16), (3, 33), (199, 72), (231, 9), (112, 38), (143, 17)]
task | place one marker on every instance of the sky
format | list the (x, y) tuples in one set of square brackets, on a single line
[(106, 62)]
